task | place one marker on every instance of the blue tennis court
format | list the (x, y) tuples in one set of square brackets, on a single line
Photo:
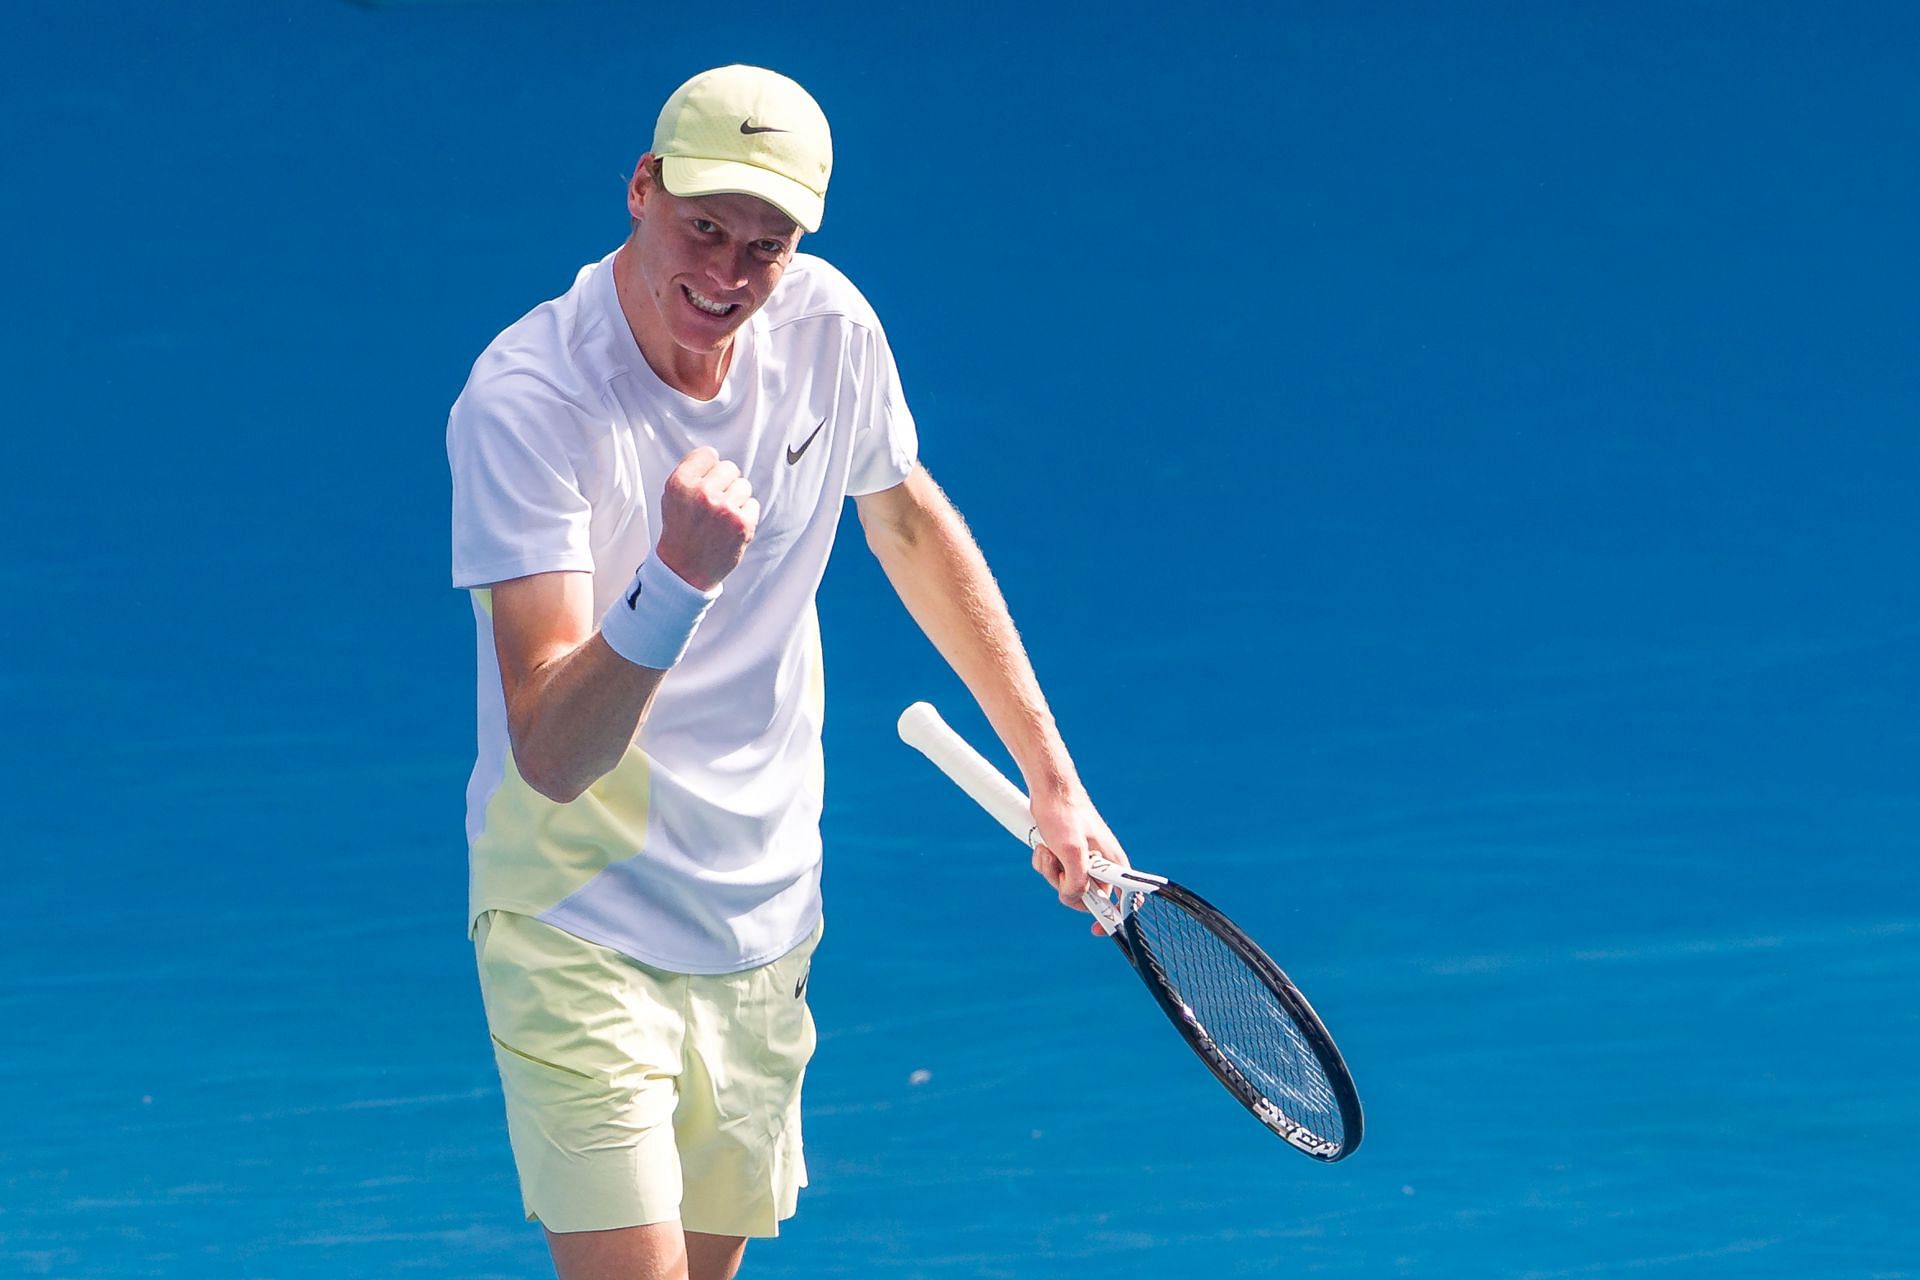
[(1454, 469)]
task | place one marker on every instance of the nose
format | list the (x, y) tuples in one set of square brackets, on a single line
[(727, 265)]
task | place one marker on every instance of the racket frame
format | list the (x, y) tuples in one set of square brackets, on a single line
[(1120, 891), (1312, 1030)]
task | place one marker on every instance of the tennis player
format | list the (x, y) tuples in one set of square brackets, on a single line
[(648, 472)]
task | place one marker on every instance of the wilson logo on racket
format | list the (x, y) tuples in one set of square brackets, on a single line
[(1324, 1148)]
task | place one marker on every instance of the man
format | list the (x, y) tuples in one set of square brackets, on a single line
[(643, 817)]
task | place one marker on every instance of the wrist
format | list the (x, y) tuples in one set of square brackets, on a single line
[(653, 620)]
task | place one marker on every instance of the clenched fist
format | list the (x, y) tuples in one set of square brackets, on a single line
[(707, 517)]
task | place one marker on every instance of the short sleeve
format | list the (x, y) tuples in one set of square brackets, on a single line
[(518, 507), (886, 445)]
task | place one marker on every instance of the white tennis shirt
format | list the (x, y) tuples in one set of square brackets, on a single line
[(700, 851)]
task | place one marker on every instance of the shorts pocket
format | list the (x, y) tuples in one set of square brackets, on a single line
[(553, 1000), (504, 1047)]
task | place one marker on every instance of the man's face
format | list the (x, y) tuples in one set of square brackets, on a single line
[(705, 263)]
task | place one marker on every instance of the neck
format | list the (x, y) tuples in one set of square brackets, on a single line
[(696, 374)]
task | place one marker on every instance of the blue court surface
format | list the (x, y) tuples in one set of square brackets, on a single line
[(1454, 466)]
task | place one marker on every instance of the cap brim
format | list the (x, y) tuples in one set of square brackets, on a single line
[(688, 176)]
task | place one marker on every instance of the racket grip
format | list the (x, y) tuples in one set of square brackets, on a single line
[(922, 729)]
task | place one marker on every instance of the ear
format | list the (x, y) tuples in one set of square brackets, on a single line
[(641, 187)]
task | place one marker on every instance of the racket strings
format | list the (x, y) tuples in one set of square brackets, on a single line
[(1240, 1014)]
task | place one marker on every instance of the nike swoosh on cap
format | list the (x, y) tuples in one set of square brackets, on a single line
[(748, 126)]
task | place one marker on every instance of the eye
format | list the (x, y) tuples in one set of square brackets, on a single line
[(704, 226), (773, 248)]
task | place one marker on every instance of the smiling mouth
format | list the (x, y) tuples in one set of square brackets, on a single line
[(708, 305)]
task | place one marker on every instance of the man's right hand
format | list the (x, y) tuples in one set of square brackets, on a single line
[(707, 517)]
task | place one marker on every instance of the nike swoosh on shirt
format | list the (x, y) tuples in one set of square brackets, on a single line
[(793, 454)]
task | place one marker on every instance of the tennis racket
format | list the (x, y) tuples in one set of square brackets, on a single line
[(1229, 1001)]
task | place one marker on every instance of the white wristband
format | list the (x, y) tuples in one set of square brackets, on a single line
[(652, 622)]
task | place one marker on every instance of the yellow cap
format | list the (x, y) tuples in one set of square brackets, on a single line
[(747, 130)]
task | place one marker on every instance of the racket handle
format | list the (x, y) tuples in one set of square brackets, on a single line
[(922, 729)]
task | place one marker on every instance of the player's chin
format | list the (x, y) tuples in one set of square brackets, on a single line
[(702, 334)]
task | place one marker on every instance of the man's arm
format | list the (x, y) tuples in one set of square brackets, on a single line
[(573, 704), (934, 564)]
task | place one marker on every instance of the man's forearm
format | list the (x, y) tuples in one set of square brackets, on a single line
[(936, 567), (575, 717), (573, 704)]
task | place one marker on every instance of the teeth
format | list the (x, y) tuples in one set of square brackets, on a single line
[(707, 304)]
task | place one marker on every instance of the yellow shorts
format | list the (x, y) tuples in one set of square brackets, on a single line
[(635, 1095)]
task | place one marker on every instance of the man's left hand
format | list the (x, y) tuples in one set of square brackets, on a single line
[(1070, 828)]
